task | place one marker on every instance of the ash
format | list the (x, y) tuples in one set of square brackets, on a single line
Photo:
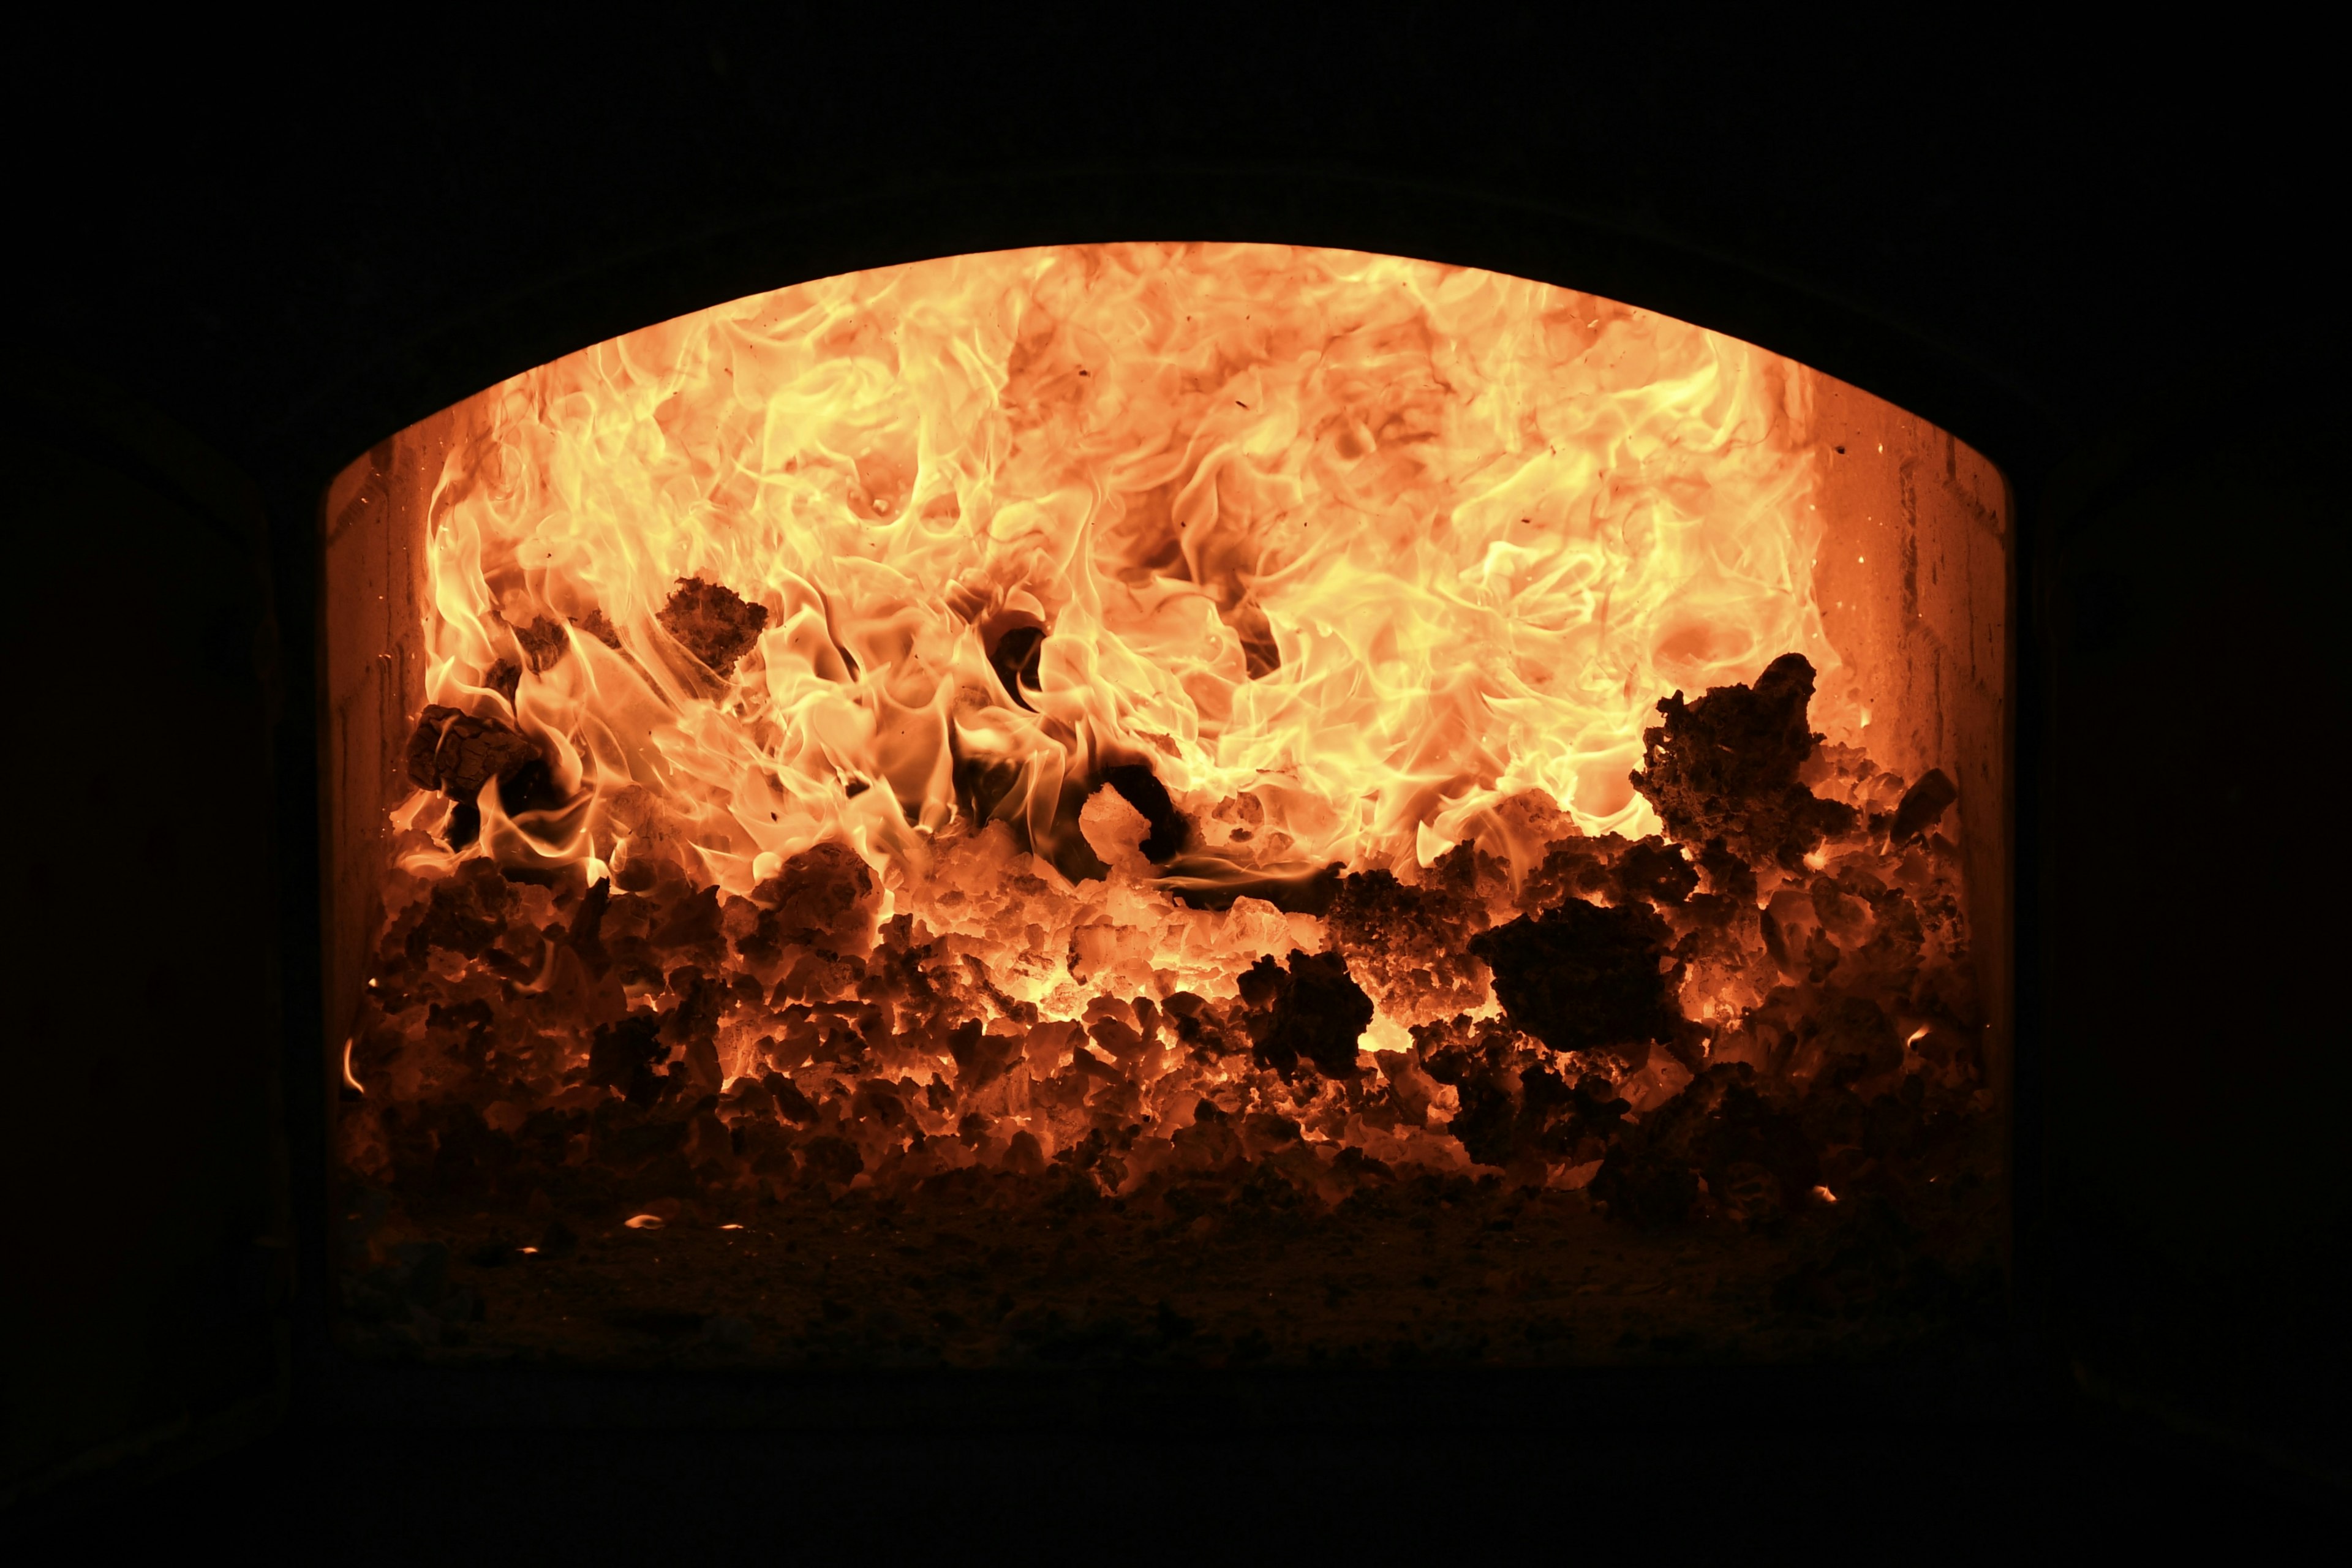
[(1715, 1093)]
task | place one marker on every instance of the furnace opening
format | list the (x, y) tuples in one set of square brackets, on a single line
[(1168, 802)]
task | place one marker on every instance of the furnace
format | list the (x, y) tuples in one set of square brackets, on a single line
[(1167, 803)]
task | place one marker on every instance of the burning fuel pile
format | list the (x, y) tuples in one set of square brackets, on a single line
[(1170, 741)]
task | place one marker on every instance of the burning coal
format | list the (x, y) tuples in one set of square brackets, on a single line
[(1142, 715)]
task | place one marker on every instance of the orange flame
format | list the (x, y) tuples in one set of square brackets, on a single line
[(1369, 544)]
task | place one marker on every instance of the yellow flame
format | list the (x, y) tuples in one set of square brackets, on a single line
[(1374, 541)]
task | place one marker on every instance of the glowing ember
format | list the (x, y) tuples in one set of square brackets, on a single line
[(1140, 712)]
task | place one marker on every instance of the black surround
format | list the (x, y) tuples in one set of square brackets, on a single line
[(2070, 257)]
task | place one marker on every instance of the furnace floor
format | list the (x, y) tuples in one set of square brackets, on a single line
[(1453, 1272)]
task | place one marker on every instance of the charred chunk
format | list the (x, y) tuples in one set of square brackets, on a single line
[(1753, 1155), (622, 1055), (1922, 806), (599, 624), (713, 623), (824, 896), (505, 678), (545, 644), (1726, 767), (1656, 870), (1581, 977), (1312, 1011), (1408, 941), (459, 752), (465, 915)]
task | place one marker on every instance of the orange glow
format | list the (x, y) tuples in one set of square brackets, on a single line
[(926, 713), (1372, 543)]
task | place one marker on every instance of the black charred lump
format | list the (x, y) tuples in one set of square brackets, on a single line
[(545, 644), (1409, 938), (824, 896), (454, 750), (1654, 870), (465, 915), (713, 623), (505, 678), (1753, 1154), (621, 1057), (1582, 977), (1725, 767), (1312, 1011), (1922, 806)]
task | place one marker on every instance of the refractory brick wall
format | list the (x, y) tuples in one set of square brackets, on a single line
[(372, 689), (1914, 582)]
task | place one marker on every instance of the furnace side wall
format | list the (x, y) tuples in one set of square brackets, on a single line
[(373, 640), (1914, 582)]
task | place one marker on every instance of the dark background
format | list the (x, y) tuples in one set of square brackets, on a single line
[(2106, 261)]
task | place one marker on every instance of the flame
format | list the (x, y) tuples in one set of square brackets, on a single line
[(901, 723), (1366, 544)]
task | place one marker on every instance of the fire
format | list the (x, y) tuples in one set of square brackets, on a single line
[(1347, 548), (1142, 709)]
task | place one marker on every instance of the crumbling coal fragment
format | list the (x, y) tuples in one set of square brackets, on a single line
[(830, 1159), (1647, 1187), (1407, 941), (824, 896), (1733, 1125), (1488, 1118), (1656, 870), (622, 1055), (1726, 767), (1582, 977), (459, 752), (505, 678), (585, 934), (700, 1004), (1751, 1155), (981, 1059), (1727, 876), (713, 623), (1599, 1108), (545, 644), (466, 913), (790, 1104), (1311, 1010), (599, 624), (1922, 806)]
